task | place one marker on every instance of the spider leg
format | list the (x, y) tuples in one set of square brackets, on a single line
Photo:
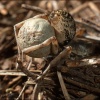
[(63, 55), (54, 46), (16, 30), (44, 16), (52, 40)]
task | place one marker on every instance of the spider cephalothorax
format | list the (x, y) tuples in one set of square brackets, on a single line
[(64, 24)]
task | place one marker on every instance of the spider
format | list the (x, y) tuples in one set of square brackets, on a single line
[(45, 34)]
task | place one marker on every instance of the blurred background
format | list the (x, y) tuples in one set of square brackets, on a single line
[(87, 16), (11, 13)]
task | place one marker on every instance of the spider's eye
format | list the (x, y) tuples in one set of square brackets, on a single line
[(52, 15)]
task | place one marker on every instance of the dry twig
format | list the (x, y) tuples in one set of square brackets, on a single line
[(65, 92), (34, 8), (55, 61), (84, 86)]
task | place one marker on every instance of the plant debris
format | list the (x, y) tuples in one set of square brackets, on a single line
[(75, 77)]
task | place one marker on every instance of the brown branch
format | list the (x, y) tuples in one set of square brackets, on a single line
[(14, 73), (22, 91), (84, 86), (63, 87), (34, 8), (27, 72), (79, 8), (83, 62), (35, 92)]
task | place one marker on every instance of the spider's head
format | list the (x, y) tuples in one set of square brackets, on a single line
[(54, 17), (64, 24)]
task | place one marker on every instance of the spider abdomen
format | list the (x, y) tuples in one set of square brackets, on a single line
[(33, 32)]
